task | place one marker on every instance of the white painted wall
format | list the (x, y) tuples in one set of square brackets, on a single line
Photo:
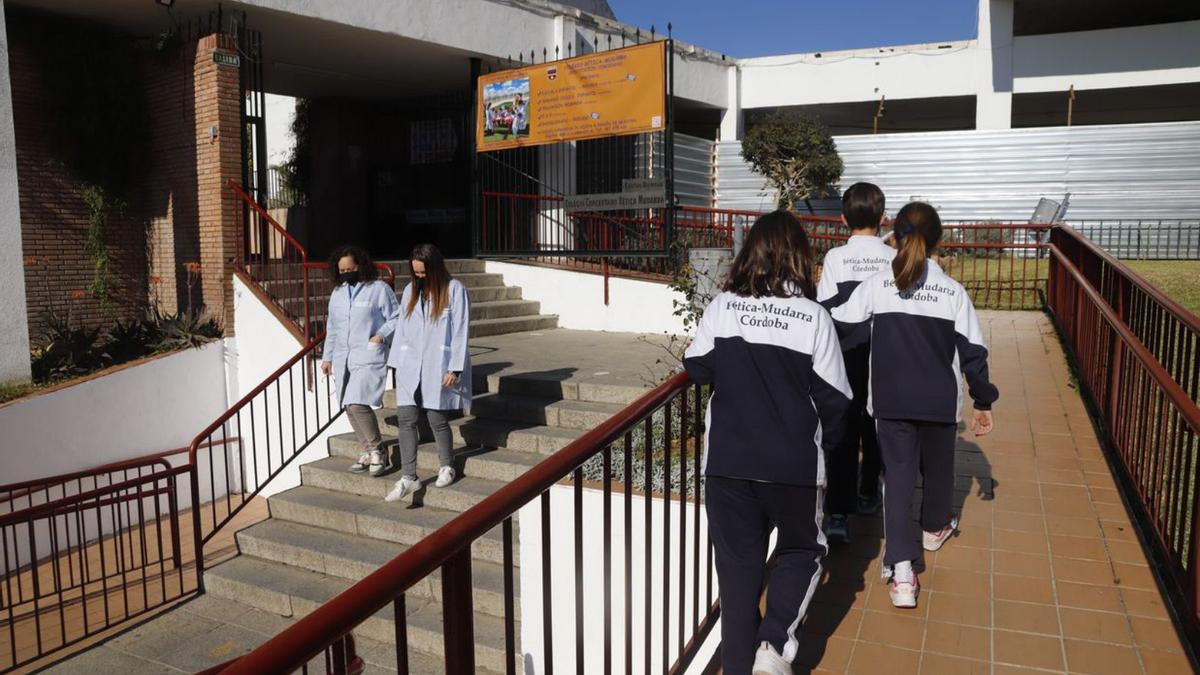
[(14, 330), (157, 405), (914, 71), (262, 346), (562, 566), (994, 65), (1101, 59), (578, 299)]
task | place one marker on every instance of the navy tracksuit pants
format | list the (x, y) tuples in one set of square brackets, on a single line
[(844, 483), (910, 448), (741, 515)]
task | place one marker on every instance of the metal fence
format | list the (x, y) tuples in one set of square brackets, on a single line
[(1144, 239), (1137, 355)]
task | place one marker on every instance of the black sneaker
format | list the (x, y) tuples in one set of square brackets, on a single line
[(838, 530)]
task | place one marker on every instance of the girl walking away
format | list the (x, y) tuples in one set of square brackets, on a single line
[(924, 337), (844, 269), (433, 366), (362, 317), (779, 394)]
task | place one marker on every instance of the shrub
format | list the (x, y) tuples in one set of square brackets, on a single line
[(796, 153)]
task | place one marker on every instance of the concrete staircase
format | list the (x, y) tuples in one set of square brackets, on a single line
[(496, 309), (335, 527)]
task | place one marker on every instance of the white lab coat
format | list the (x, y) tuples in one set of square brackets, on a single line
[(425, 348), (356, 314)]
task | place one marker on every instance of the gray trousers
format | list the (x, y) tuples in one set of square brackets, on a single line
[(910, 448), (365, 425), (406, 419)]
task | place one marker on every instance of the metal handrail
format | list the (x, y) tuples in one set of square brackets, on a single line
[(308, 637)]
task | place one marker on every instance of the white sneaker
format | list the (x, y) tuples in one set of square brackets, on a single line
[(768, 662), (445, 476), (403, 488), (376, 464), (364, 460), (904, 593), (932, 541)]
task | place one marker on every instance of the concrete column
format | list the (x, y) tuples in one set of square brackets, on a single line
[(218, 159), (731, 117), (14, 330), (994, 65)]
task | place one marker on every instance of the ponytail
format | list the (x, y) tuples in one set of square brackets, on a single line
[(918, 230), (909, 264)]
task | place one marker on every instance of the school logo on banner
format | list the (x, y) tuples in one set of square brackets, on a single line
[(552, 72)]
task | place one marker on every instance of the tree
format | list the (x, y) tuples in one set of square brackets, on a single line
[(796, 153)]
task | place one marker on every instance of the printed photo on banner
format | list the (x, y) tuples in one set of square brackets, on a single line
[(506, 110)]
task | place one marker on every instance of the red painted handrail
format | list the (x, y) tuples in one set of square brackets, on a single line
[(306, 638)]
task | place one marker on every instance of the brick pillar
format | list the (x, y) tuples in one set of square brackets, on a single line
[(218, 160)]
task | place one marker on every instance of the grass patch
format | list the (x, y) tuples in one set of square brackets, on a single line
[(1178, 279), (11, 392)]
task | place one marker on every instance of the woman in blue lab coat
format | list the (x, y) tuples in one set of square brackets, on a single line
[(362, 317), (433, 366)]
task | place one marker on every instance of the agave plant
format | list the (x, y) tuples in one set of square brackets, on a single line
[(187, 329), (129, 340), (67, 351)]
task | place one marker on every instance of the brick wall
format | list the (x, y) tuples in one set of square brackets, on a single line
[(54, 222), (178, 215)]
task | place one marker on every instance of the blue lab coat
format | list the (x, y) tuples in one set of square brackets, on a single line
[(356, 314), (425, 348)]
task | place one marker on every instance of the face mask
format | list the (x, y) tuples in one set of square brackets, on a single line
[(348, 277)]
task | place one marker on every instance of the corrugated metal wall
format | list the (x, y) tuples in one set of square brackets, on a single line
[(695, 180), (1130, 172)]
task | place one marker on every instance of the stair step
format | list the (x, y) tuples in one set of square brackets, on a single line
[(515, 324), (482, 294), (474, 432), (566, 414), (503, 309), (330, 473), (456, 266), (477, 280), (292, 591), (348, 556), (372, 517), (491, 464)]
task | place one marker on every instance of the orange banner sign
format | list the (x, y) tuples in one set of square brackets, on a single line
[(611, 93)]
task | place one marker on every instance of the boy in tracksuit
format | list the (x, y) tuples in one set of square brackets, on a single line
[(779, 394), (925, 336), (845, 268)]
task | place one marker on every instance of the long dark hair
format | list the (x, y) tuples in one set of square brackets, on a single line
[(367, 271), (776, 260), (435, 287), (918, 230)]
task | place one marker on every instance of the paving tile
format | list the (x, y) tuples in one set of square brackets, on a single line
[(958, 640), (871, 659), (1164, 663), (828, 653), (892, 628), (1101, 659), (1022, 589), (1085, 548), (959, 609), (1026, 617), (960, 582), (1021, 564), (1144, 603), (1086, 624), (1155, 634), (1083, 571), (940, 664), (1023, 649), (1105, 598)]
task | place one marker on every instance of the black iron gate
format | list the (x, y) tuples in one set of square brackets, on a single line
[(519, 206)]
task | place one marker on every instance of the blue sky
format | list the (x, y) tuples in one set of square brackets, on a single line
[(744, 28)]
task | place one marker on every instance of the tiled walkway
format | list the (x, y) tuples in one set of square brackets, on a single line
[(1046, 575)]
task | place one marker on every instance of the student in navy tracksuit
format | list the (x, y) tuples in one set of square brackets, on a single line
[(924, 337), (779, 395), (844, 269)]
